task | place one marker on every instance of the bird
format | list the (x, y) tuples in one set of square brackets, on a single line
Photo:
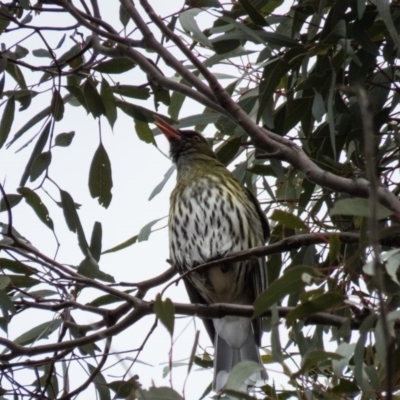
[(211, 214)]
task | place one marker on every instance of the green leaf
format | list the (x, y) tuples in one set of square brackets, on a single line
[(39, 165), (6, 304), (144, 132), (165, 312), (314, 357), (5, 17), (160, 186), (24, 4), (105, 277), (203, 3), (189, 24), (100, 384), (72, 219), (17, 267), (358, 206), (36, 203), (123, 245), (16, 73), (160, 393), (64, 139), (108, 99), (21, 281), (253, 13), (42, 53), (291, 282), (318, 107), (227, 151), (13, 200), (100, 177), (77, 94), (4, 281), (107, 299), (137, 92), (334, 248), (146, 230), (33, 121), (240, 373), (2, 83), (93, 99), (41, 331), (123, 16), (160, 94), (289, 220), (136, 112), (39, 146), (321, 303), (7, 120), (346, 386), (115, 66), (122, 389), (95, 241), (89, 267), (57, 106)]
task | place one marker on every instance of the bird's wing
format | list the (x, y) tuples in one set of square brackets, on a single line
[(259, 267), (261, 214), (196, 298)]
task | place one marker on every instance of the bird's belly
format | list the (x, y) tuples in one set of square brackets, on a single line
[(209, 226)]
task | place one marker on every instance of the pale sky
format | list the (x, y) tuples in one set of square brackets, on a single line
[(137, 168)]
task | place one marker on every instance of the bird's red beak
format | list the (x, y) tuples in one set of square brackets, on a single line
[(169, 132)]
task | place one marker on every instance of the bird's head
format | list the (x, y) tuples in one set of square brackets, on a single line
[(185, 145)]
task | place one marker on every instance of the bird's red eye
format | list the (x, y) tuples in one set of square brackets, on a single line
[(197, 138)]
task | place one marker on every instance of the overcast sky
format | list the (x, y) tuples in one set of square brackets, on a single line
[(137, 168)]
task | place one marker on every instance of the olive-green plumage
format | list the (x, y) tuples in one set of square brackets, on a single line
[(212, 214)]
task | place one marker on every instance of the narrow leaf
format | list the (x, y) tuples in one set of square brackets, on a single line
[(115, 66), (160, 393), (39, 165), (36, 203), (89, 267), (146, 230), (107, 97), (7, 120), (253, 13), (41, 142), (41, 331), (93, 99), (57, 106), (240, 373), (165, 312), (189, 24), (42, 53), (95, 241), (123, 245), (137, 92), (100, 177), (321, 303), (358, 206), (289, 220), (227, 151), (72, 219), (160, 186), (144, 132), (291, 282), (13, 200), (123, 16)]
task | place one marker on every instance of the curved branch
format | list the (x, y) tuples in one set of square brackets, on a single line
[(284, 149), (168, 57), (154, 74)]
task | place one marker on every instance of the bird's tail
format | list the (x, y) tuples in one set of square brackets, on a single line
[(226, 357)]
